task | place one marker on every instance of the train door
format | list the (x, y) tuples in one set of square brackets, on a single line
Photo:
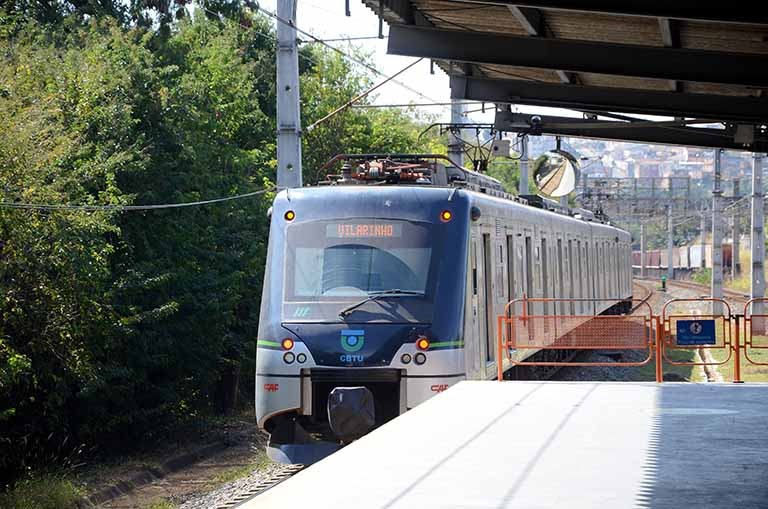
[(475, 332), (528, 268), (560, 290), (487, 297), (617, 251), (571, 281), (543, 265), (580, 274), (593, 279), (511, 265)]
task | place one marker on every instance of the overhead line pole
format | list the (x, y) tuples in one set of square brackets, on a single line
[(642, 249), (523, 184), (288, 106), (670, 245), (757, 242), (736, 244), (455, 142), (717, 236)]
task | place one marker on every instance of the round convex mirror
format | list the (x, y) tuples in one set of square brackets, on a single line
[(556, 173)]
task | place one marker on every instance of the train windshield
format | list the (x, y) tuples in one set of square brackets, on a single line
[(344, 261)]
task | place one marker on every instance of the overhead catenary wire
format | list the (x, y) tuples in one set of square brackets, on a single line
[(128, 208), (344, 54), (347, 39), (412, 105), (361, 96)]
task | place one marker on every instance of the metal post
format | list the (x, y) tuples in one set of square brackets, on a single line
[(288, 110), (455, 143), (702, 245), (523, 185), (670, 245), (659, 353), (757, 243), (717, 237), (737, 352), (736, 245), (642, 250)]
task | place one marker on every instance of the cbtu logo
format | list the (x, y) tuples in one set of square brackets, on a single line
[(352, 340)]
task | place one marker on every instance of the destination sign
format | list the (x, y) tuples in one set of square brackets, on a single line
[(363, 230)]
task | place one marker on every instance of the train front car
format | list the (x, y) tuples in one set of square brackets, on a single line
[(362, 311)]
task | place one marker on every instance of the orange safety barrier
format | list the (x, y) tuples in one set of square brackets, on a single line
[(721, 324), (755, 325), (523, 331)]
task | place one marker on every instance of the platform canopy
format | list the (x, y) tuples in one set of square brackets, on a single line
[(680, 59)]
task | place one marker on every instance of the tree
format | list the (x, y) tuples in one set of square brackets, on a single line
[(118, 325), (331, 82)]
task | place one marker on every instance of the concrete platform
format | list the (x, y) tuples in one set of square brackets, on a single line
[(553, 444)]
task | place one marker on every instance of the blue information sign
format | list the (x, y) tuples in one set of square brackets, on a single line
[(696, 332)]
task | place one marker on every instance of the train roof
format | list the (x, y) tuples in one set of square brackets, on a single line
[(417, 197)]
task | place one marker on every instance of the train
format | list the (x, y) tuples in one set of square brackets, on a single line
[(684, 257), (383, 286)]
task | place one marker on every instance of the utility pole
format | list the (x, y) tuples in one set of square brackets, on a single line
[(670, 245), (717, 237), (523, 185), (455, 143), (642, 250), (288, 111), (757, 242), (736, 245)]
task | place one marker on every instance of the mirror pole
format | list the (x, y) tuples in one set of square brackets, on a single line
[(523, 184)]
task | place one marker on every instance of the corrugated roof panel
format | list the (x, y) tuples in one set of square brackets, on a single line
[(456, 15), (604, 28), (607, 80), (722, 37)]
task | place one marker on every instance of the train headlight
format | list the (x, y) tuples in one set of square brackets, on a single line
[(302, 358), (422, 343), (290, 215), (405, 358), (446, 216), (287, 344), (288, 357), (419, 358)]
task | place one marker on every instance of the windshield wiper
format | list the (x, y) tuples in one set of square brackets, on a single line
[(376, 295)]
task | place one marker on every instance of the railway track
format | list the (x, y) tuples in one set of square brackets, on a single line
[(730, 294), (282, 473), (647, 291)]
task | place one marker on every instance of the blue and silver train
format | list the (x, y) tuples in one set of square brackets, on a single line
[(382, 289)]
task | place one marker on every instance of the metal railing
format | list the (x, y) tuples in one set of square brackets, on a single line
[(706, 327), (520, 333)]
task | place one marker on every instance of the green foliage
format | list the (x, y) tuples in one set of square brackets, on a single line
[(331, 83), (507, 171), (47, 492), (702, 276), (116, 326)]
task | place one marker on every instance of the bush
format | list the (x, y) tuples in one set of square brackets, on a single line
[(702, 276), (42, 493)]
